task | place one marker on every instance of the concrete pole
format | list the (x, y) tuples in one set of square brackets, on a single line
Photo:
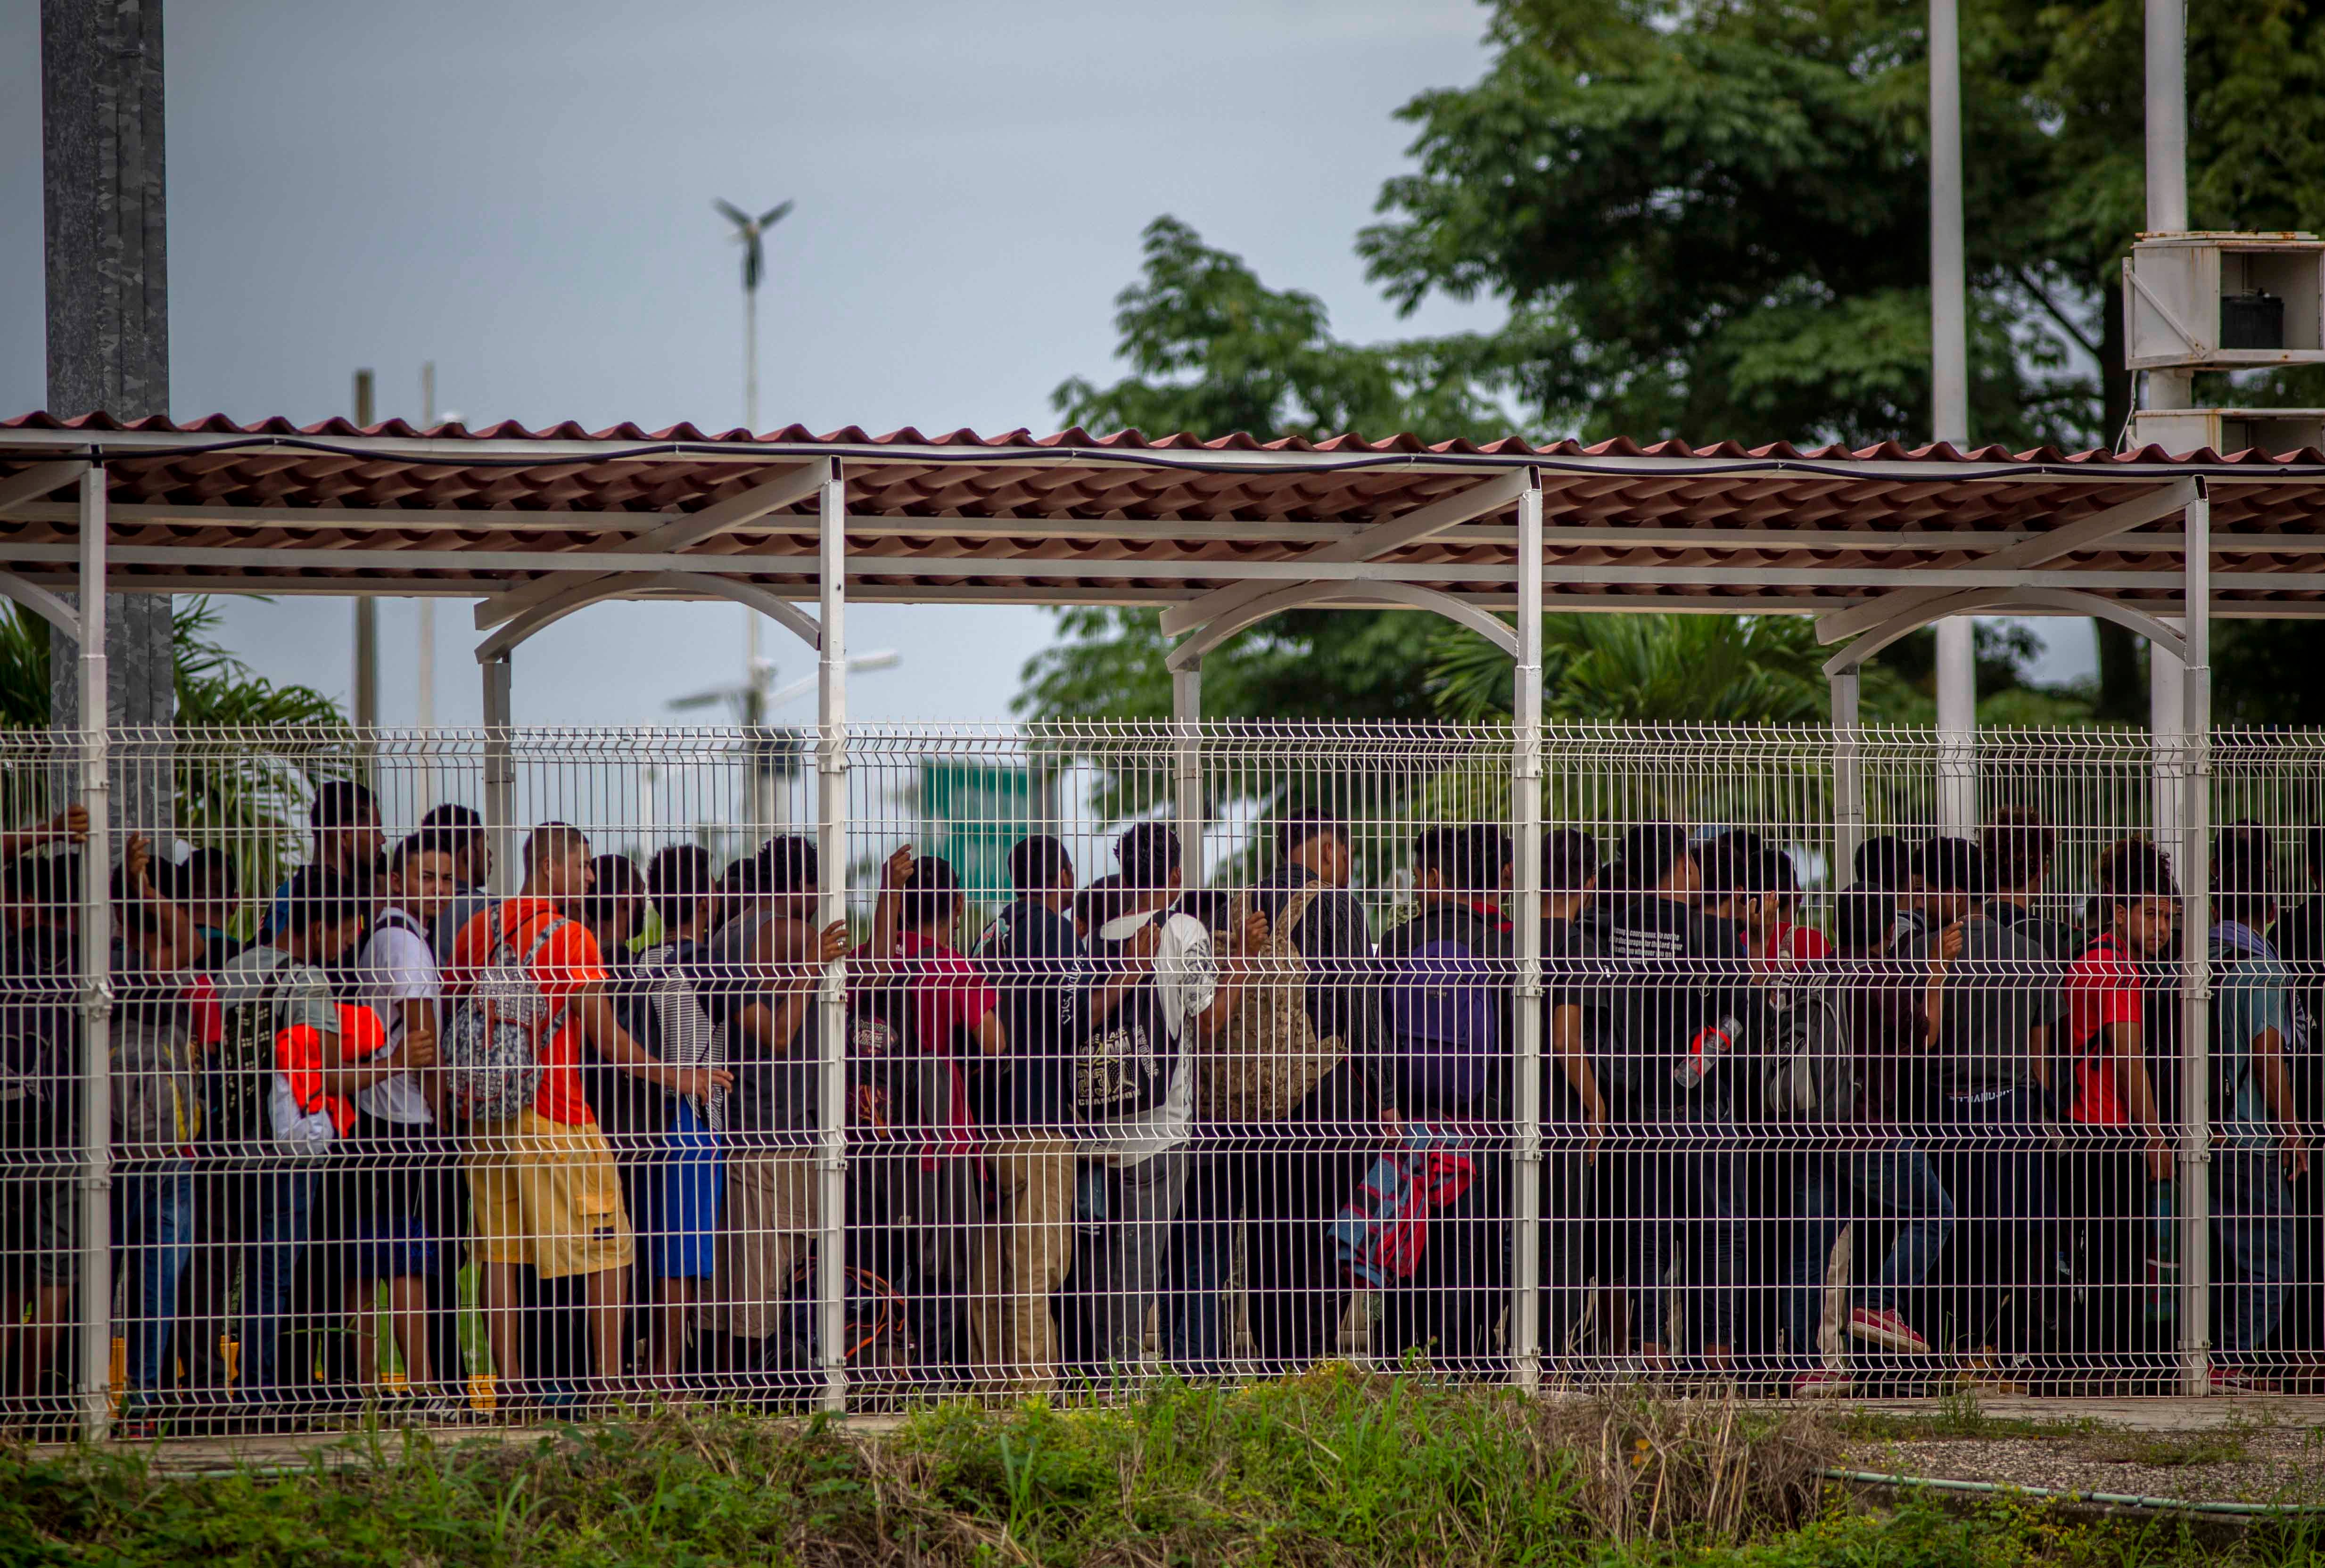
[(367, 606), (1950, 403), (94, 1383), (1525, 928), (2195, 859), (500, 775), (831, 856), (1187, 792), (1956, 726), (2167, 163), (108, 338), (1847, 776)]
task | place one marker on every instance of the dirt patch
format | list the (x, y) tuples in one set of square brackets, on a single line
[(2278, 1466)]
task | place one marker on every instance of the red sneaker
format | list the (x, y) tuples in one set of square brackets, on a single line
[(1824, 1383), (2230, 1380), (1886, 1329)]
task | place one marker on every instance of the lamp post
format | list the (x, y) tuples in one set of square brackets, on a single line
[(751, 231)]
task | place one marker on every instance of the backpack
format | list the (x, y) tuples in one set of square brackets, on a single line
[(1269, 1057), (37, 1032), (155, 1107), (492, 1051), (1810, 1065), (1445, 1011), (1122, 1064), (243, 1115)]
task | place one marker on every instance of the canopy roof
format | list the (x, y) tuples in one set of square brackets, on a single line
[(214, 506)]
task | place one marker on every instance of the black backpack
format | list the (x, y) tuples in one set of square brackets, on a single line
[(246, 1067), (1122, 1063), (1808, 1061)]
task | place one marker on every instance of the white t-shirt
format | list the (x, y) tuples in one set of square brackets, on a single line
[(397, 965), (1186, 981)]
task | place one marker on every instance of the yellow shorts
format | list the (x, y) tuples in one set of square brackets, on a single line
[(544, 1194)]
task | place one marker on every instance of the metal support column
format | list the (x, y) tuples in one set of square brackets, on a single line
[(1187, 792), (1847, 777), (1957, 726), (500, 777), (2195, 859), (94, 1383), (1525, 799), (831, 857)]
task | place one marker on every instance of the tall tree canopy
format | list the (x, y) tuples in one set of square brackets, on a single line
[(1710, 219)]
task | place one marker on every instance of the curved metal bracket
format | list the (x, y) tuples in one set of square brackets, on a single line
[(1969, 601), (41, 602), (597, 590), (1189, 654)]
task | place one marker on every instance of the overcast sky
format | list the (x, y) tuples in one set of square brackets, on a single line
[(520, 190)]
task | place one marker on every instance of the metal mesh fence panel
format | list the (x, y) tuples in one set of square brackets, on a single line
[(453, 1078)]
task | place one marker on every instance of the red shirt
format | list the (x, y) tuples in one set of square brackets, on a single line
[(950, 998), (568, 965), (2102, 988), (1795, 948)]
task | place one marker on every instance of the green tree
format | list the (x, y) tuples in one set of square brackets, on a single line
[(250, 750)]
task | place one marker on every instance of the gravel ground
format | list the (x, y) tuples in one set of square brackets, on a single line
[(2273, 1464)]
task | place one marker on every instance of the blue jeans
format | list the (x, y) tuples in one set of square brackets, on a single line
[(2004, 1270), (2253, 1213), (1831, 1190), (1202, 1244), (1684, 1235), (155, 1238), (281, 1204)]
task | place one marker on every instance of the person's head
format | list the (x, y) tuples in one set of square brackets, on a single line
[(419, 875), (1883, 864), (1148, 854), (1950, 874), (2245, 879), (210, 887), (678, 886), (2138, 900), (1570, 870), (156, 943), (557, 863), (1657, 858), (1040, 869), (1316, 843), (2018, 846), (615, 904), (780, 876), (1470, 862), (1767, 889), (932, 900), (327, 914), (1725, 862), (1863, 923), (345, 816), (472, 854), (1095, 905)]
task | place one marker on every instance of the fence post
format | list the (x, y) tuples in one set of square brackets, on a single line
[(500, 776), (2195, 880), (1525, 791), (93, 1382), (831, 857)]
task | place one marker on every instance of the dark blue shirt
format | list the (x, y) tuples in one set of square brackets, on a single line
[(1033, 956)]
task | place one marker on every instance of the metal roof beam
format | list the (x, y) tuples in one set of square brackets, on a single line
[(1382, 539), (679, 534), (2088, 533), (2059, 603), (40, 480), (47, 606), (1492, 628), (578, 596)]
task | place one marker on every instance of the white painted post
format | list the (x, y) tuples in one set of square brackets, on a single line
[(2167, 713), (832, 856), (2196, 882), (1525, 791), (93, 1382), (1949, 404)]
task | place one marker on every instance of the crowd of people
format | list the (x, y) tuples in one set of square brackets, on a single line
[(1128, 1124)]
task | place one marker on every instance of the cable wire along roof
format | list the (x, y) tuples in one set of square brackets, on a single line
[(1072, 518)]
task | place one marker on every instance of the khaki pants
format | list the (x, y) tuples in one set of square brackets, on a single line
[(1020, 1260), (771, 1220)]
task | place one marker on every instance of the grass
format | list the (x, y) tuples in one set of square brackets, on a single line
[(1331, 1469)]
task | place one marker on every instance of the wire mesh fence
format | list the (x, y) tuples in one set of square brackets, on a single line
[(455, 1078)]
